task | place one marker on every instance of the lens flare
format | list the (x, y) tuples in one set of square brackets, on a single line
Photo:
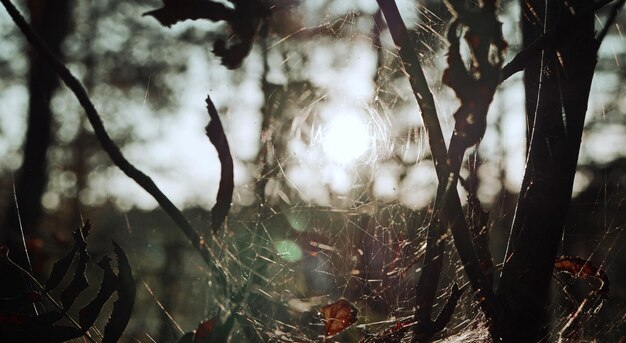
[(346, 138)]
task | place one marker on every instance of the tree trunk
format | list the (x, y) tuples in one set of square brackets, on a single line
[(557, 85), (50, 19)]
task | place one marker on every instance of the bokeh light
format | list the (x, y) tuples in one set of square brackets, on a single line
[(346, 138)]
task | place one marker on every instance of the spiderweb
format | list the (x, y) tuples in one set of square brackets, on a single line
[(341, 206), (335, 202), (341, 214)]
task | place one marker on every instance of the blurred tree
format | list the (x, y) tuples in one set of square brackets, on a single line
[(51, 20)]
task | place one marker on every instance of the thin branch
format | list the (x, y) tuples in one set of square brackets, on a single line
[(426, 287), (423, 95), (425, 100), (110, 147)]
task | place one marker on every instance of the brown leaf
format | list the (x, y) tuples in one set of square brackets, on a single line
[(583, 269), (216, 135), (338, 316)]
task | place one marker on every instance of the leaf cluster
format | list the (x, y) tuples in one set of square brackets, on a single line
[(16, 326)]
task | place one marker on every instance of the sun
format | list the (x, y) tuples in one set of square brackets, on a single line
[(346, 138)]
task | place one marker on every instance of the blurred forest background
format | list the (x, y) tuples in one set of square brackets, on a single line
[(333, 174)]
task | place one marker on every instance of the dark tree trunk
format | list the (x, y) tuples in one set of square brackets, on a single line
[(50, 19), (557, 85)]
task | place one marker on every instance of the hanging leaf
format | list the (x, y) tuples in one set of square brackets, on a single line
[(583, 269), (244, 21), (338, 316), (212, 331), (89, 313), (60, 268), (123, 307), (174, 11), (16, 327), (215, 132)]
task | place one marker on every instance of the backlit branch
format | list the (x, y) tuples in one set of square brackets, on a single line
[(456, 221)]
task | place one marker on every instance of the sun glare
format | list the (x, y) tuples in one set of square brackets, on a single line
[(346, 138)]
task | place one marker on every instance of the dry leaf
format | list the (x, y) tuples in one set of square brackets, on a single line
[(338, 316), (581, 268)]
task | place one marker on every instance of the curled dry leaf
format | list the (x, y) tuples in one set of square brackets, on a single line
[(338, 316), (583, 269), (215, 132), (244, 19)]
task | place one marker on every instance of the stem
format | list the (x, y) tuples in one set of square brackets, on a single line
[(452, 205)]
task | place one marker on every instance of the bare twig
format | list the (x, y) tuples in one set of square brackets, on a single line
[(110, 147), (43, 290)]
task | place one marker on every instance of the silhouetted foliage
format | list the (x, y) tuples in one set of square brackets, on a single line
[(244, 20), (18, 327)]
